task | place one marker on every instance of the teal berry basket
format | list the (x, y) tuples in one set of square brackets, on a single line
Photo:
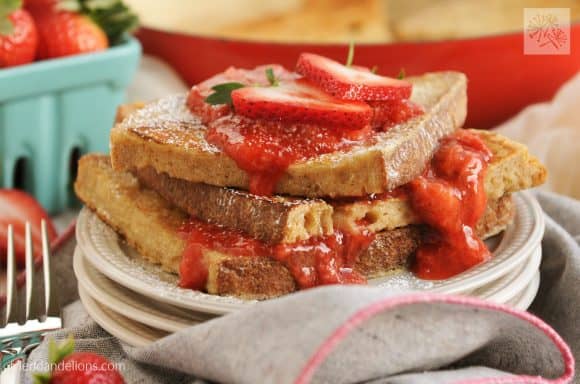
[(54, 111)]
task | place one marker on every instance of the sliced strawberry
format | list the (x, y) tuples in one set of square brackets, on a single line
[(350, 83), (16, 208), (257, 76), (300, 102)]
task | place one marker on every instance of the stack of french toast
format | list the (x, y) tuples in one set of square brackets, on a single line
[(261, 182)]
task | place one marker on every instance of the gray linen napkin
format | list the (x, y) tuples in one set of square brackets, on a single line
[(363, 335)]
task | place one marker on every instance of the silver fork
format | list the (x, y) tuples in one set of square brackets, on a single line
[(29, 310)]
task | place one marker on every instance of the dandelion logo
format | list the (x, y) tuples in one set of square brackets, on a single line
[(547, 31)]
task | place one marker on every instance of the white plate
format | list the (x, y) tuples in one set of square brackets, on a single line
[(171, 319), (126, 330), (133, 333), (109, 254), (526, 298), (509, 286), (132, 305)]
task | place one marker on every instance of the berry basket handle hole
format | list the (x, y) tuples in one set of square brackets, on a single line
[(73, 167), (75, 155), (20, 175)]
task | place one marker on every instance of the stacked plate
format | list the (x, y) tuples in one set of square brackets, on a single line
[(139, 303)]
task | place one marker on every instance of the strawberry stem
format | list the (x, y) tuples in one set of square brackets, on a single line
[(350, 56), (271, 77), (402, 74)]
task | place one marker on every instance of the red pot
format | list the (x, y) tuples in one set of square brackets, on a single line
[(502, 80)]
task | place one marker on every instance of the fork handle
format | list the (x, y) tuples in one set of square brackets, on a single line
[(13, 373)]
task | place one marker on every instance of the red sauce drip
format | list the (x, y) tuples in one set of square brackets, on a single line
[(387, 114), (317, 261), (192, 269), (450, 198), (265, 149)]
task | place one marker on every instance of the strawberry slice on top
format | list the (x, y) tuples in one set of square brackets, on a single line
[(196, 100), (350, 83), (300, 102)]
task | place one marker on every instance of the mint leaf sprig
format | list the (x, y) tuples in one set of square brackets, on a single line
[(223, 93)]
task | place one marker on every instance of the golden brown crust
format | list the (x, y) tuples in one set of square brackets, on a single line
[(498, 214), (252, 278), (272, 219), (148, 223), (165, 136)]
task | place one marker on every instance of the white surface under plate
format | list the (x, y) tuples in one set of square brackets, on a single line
[(112, 257)]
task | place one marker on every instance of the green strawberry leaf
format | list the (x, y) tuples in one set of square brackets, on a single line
[(113, 16), (223, 93), (6, 8), (6, 26), (42, 378), (271, 77), (9, 6), (57, 352)]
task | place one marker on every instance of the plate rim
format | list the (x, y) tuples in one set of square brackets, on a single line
[(525, 299), (101, 316), (520, 281), (101, 296)]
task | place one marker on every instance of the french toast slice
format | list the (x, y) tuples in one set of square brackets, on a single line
[(512, 168), (272, 219), (152, 226), (285, 219), (164, 135)]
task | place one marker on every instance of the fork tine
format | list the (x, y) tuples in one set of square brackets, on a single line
[(15, 309), (52, 304), (10, 278), (32, 287)]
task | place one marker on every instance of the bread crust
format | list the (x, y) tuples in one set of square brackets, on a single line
[(273, 219)]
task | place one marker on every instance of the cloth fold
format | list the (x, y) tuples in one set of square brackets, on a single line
[(354, 334)]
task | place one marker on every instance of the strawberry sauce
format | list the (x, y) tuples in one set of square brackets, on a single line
[(450, 198), (265, 149), (278, 133), (317, 261)]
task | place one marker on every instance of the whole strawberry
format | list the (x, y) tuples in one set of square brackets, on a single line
[(77, 367), (18, 34), (65, 33), (70, 27)]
